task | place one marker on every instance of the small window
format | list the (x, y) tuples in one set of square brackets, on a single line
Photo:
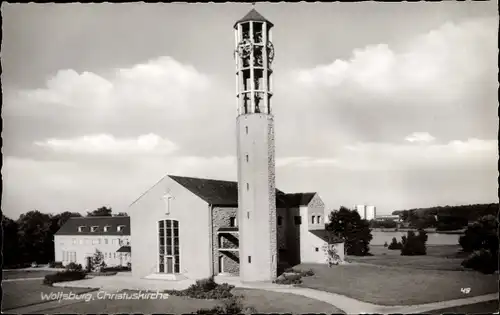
[(249, 259), (318, 220), (246, 129), (93, 228), (280, 220), (317, 249), (81, 228), (232, 221), (119, 228), (106, 228), (246, 157), (298, 220), (248, 214), (313, 217), (105, 241), (74, 241), (248, 186)]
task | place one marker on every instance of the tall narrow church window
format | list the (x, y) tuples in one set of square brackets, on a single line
[(168, 240), (232, 221), (313, 217)]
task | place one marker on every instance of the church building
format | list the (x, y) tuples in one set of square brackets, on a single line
[(193, 228)]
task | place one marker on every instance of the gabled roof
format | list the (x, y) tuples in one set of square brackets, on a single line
[(217, 192), (327, 236), (71, 226), (253, 15), (299, 199)]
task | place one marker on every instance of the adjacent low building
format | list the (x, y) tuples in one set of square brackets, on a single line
[(79, 238)]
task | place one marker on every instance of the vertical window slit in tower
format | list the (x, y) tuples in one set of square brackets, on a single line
[(248, 214), (246, 129), (248, 186), (246, 157)]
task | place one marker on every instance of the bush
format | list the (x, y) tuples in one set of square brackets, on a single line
[(116, 268), (481, 238), (56, 264), (205, 289), (289, 279), (482, 260), (414, 244), (302, 273), (68, 275), (385, 244), (73, 267), (395, 244), (232, 305)]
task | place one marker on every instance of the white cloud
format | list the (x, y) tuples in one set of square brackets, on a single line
[(440, 63), (419, 137), (107, 144)]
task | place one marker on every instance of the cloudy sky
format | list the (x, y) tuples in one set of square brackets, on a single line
[(393, 105)]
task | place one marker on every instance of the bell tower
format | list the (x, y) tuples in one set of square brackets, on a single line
[(254, 54)]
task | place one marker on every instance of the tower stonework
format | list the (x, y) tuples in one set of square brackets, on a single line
[(254, 54)]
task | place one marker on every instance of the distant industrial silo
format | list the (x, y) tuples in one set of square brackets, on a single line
[(371, 212)]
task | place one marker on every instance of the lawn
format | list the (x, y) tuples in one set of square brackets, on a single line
[(17, 274), (276, 302), (396, 285), (29, 292), (263, 301), (439, 257), (478, 308)]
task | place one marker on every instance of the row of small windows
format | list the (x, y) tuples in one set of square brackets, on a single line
[(96, 241), (114, 255), (298, 220), (107, 228)]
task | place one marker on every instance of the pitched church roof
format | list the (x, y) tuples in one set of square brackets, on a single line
[(219, 192), (71, 226), (299, 199), (253, 15)]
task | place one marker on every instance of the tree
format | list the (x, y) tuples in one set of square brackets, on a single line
[(121, 214), (36, 242), (414, 244), (481, 235), (97, 262), (101, 212), (10, 242), (348, 225)]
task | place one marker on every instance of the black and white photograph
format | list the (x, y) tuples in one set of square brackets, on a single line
[(250, 158)]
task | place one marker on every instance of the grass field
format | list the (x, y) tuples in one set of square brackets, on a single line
[(392, 279), (23, 293), (17, 274), (262, 301), (439, 257)]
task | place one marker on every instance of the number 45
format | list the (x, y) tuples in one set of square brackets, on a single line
[(465, 290)]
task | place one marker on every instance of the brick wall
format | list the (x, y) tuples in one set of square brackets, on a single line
[(221, 217)]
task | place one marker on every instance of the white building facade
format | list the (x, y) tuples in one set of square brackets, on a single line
[(79, 239)]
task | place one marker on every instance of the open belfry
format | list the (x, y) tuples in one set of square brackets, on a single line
[(254, 54)]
